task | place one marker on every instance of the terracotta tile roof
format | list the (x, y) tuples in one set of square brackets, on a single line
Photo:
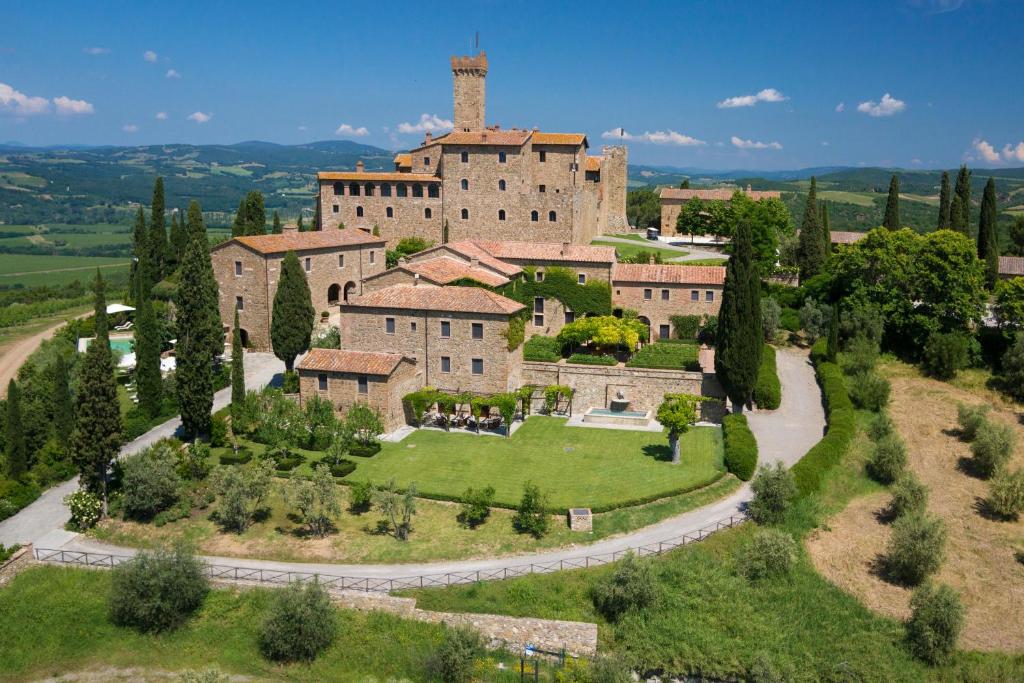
[(444, 269), (548, 251), (444, 299), (719, 194), (402, 160), (594, 163), (843, 237), (668, 274), (1011, 265), (558, 138), (377, 176), (340, 360), (485, 137), (472, 250), (304, 241)]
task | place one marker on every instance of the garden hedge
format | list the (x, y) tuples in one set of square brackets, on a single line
[(671, 354), (768, 390), (541, 348), (586, 359), (740, 446), (841, 425)]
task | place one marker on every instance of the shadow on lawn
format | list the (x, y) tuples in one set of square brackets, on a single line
[(660, 452)]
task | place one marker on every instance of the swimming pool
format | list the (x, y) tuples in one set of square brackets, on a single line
[(122, 345)]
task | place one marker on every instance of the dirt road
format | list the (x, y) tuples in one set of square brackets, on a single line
[(14, 354)]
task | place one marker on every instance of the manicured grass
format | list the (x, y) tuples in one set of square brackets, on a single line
[(648, 246), (705, 262), (597, 468), (632, 236)]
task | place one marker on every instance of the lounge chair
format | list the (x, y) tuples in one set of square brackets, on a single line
[(125, 327)]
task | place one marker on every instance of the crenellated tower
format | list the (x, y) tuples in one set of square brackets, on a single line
[(469, 74)]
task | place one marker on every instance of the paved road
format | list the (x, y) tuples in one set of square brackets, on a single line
[(783, 435), (693, 252), (48, 514)]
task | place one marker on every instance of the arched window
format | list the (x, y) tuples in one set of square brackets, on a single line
[(390, 212), (465, 157), (433, 190), (385, 189), (359, 211), (353, 189), (426, 213), (501, 214), (465, 214), (552, 217), (501, 184), (534, 216), (402, 189), (339, 189), (370, 188), (464, 183), (417, 190)]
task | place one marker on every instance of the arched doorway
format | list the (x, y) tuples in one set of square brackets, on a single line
[(350, 290), (244, 334), (646, 321), (333, 293)]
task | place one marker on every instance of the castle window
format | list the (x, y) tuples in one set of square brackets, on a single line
[(501, 159), (238, 268), (359, 211), (664, 295), (478, 330), (426, 213), (478, 366), (309, 265), (389, 325), (501, 214), (648, 294), (464, 183), (552, 217), (581, 278), (534, 216), (501, 185), (426, 161), (363, 383), (465, 214), (412, 326), (321, 381), (446, 329), (543, 156), (542, 188), (339, 189), (341, 260), (373, 257), (538, 276), (402, 190), (239, 304), (538, 320), (709, 295), (465, 157), (370, 187), (694, 295), (390, 212), (417, 190), (335, 209), (570, 317), (446, 363), (538, 304), (385, 190), (353, 189), (433, 190), (663, 332)]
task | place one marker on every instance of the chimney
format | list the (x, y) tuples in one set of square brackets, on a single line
[(415, 279), (428, 137), (289, 227), (474, 261), (565, 248), (650, 260), (360, 166)]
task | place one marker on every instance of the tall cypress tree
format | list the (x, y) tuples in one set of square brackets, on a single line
[(238, 227), (255, 214), (237, 367), (740, 336), (97, 434), (944, 202), (140, 250), (195, 225), (812, 252), (63, 407), (200, 337), (988, 238), (15, 449), (179, 236), (302, 228), (158, 249), (147, 357), (826, 229), (291, 324), (317, 222), (277, 228), (892, 205), (962, 222), (956, 214)]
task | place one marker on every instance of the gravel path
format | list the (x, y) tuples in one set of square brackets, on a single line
[(783, 435)]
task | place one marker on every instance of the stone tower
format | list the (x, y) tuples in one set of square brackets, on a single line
[(469, 74), (615, 179)]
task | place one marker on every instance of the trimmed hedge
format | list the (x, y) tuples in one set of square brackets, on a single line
[(367, 451), (740, 446), (667, 354), (242, 456), (541, 348), (768, 390), (841, 425), (344, 468), (586, 359)]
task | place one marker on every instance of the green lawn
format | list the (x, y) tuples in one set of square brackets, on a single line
[(597, 468), (630, 250), (706, 262)]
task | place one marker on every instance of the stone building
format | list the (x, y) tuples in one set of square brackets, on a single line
[(673, 198), (1011, 267), (658, 292), (484, 182), (247, 270), (346, 377)]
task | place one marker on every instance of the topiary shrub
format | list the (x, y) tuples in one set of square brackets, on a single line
[(740, 446), (945, 354), (342, 468), (971, 418), (992, 448), (916, 548), (532, 514), (630, 587), (936, 619), (870, 391), (1006, 494), (454, 659), (541, 348), (770, 553), (909, 496), (156, 591), (300, 624), (768, 389), (888, 459), (218, 431), (774, 491)]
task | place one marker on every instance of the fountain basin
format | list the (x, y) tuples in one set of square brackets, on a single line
[(633, 418)]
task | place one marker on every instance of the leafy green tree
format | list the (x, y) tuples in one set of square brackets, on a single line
[(1013, 368), (158, 246), (301, 623), (315, 499), (157, 591), (631, 587), (685, 185), (363, 423), (237, 368), (916, 548), (476, 506), (291, 324), (1016, 245), (150, 481), (988, 236), (398, 507), (455, 659), (179, 236), (643, 208), (693, 218), (936, 620), (241, 492), (892, 205), (1009, 304), (960, 217), (140, 249), (774, 491), (97, 434), (826, 227), (301, 226), (812, 253), (740, 343), (532, 514), (944, 203), (677, 413), (16, 451), (200, 337), (769, 222), (148, 343)]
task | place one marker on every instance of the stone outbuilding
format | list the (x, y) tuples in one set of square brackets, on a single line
[(673, 198), (657, 292)]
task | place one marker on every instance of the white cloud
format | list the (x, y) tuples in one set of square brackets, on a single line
[(752, 144), (161, 116), (658, 137), (130, 128), (888, 106), (69, 107), (428, 122), (841, 107), (303, 128), (149, 56), (916, 162), (17, 102), (766, 95), (988, 152), (351, 131), (824, 143), (171, 73), (1014, 153), (199, 117), (96, 50)]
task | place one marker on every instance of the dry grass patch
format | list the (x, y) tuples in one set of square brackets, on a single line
[(980, 562)]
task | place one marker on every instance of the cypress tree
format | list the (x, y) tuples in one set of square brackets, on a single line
[(238, 227), (892, 205), (277, 224), (140, 249), (200, 337), (826, 230), (255, 214), (317, 225), (16, 450), (97, 434), (63, 407), (944, 202), (149, 383), (291, 323), (158, 249), (179, 236), (237, 367), (962, 222), (956, 214), (195, 225), (812, 253), (685, 185), (740, 337), (302, 228), (988, 238)]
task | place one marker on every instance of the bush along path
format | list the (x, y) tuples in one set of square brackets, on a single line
[(783, 435)]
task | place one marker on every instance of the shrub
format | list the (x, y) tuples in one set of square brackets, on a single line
[(476, 506), (364, 450), (454, 658), (360, 495), (870, 391), (241, 492), (774, 491), (992, 448), (1006, 494), (888, 459), (814, 319), (218, 431), (315, 499), (685, 326), (194, 461), (708, 330), (301, 623), (541, 348), (290, 383), (8, 552), (85, 508), (365, 425), (156, 591), (239, 457), (398, 507), (768, 390), (587, 359), (809, 471), (631, 586), (1013, 368), (771, 313), (342, 468), (881, 426), (916, 548), (945, 354), (936, 619), (326, 338), (864, 321), (740, 446), (532, 514), (861, 355), (667, 353), (150, 481), (609, 669), (770, 553), (789, 320), (909, 496), (971, 417)]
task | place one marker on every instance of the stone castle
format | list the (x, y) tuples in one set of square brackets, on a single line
[(483, 182)]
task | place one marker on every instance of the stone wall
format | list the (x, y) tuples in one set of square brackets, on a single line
[(658, 309), (383, 393), (21, 560), (614, 181), (408, 214)]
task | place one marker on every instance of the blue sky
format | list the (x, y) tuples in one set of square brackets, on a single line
[(728, 84)]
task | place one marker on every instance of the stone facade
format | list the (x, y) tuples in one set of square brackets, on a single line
[(657, 293), (672, 200)]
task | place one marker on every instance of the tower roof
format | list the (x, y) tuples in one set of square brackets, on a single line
[(470, 63)]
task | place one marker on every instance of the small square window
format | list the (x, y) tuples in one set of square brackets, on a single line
[(321, 382), (446, 329), (309, 264), (478, 366), (465, 157), (581, 278), (412, 326), (539, 276), (648, 295), (538, 320), (501, 157), (478, 330), (341, 260), (373, 257), (663, 332), (709, 295), (238, 268), (335, 208), (664, 295), (570, 317), (426, 161), (389, 325), (694, 295), (542, 188), (390, 213), (364, 384), (239, 304), (446, 364)]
